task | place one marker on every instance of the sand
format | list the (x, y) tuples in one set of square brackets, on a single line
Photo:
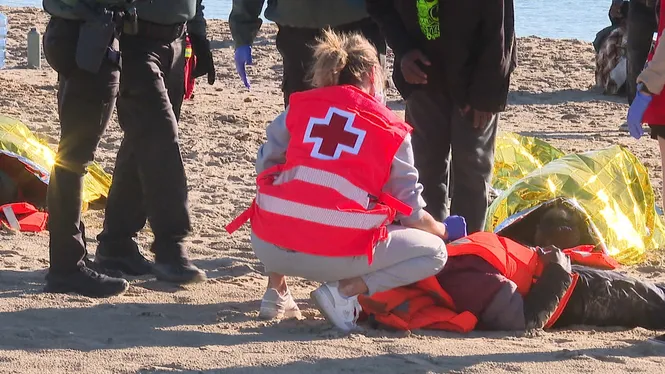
[(213, 327)]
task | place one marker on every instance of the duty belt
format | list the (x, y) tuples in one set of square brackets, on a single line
[(155, 31)]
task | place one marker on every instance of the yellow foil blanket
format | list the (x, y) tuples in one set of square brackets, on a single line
[(17, 138), (611, 185)]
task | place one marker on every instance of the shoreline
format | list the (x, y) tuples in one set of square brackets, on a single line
[(267, 21)]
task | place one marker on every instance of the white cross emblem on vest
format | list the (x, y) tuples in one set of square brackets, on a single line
[(333, 135)]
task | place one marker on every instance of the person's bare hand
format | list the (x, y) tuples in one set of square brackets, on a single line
[(412, 72), (554, 255), (480, 119)]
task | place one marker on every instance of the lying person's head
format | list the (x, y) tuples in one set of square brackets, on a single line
[(341, 59), (560, 227)]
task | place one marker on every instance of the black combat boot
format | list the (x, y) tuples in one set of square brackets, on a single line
[(85, 282), (124, 257), (101, 269), (180, 271)]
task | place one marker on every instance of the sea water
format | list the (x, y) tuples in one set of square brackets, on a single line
[(569, 19)]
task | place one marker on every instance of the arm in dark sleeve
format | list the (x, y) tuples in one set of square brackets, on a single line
[(490, 79), (544, 296), (197, 25), (245, 21), (390, 22)]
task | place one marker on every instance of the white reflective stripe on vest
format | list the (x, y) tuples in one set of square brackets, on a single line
[(325, 179), (329, 217)]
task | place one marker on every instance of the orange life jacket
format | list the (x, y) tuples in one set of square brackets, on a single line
[(426, 305), (422, 305), (327, 198)]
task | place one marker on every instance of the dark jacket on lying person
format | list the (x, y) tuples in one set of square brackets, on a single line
[(600, 297), (470, 44), (493, 282)]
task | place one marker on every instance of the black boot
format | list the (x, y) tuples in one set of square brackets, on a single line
[(124, 257), (179, 271), (85, 282), (100, 269)]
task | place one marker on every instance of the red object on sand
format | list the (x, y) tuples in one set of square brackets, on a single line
[(655, 113), (190, 65), (23, 217)]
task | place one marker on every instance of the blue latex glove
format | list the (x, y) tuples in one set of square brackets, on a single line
[(455, 227), (636, 112), (243, 57)]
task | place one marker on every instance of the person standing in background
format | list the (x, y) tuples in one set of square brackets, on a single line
[(453, 62), (300, 23), (149, 181), (648, 105), (640, 28)]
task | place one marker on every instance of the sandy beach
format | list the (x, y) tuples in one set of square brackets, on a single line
[(213, 327)]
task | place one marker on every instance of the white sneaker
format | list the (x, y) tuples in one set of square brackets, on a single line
[(341, 311), (276, 306)]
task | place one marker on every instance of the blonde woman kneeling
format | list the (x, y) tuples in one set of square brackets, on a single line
[(335, 173)]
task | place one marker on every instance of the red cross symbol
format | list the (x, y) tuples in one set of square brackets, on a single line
[(333, 135)]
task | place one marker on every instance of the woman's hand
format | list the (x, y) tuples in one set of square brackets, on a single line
[(455, 227), (429, 224)]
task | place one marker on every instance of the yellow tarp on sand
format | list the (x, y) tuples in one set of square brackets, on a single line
[(610, 184), (17, 138)]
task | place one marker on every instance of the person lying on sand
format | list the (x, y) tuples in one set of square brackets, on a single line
[(495, 283), (335, 172)]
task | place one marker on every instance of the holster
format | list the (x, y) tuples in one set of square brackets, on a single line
[(98, 37)]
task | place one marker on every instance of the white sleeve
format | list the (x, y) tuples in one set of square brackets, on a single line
[(273, 151), (403, 182)]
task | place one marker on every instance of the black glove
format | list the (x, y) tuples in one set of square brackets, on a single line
[(204, 62)]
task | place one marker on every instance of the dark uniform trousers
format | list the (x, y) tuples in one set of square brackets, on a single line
[(642, 24), (85, 105), (609, 298), (440, 131), (295, 46), (149, 179)]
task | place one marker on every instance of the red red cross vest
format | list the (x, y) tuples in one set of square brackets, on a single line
[(327, 198), (655, 113)]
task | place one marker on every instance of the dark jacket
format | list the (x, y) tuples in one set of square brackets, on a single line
[(472, 46), (164, 12), (244, 20), (477, 287)]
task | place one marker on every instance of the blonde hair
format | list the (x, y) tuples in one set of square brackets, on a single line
[(341, 58)]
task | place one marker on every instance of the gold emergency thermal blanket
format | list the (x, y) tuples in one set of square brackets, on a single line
[(15, 137), (610, 185), (516, 156)]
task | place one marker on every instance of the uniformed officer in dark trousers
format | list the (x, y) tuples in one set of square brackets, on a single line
[(149, 180), (87, 94)]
